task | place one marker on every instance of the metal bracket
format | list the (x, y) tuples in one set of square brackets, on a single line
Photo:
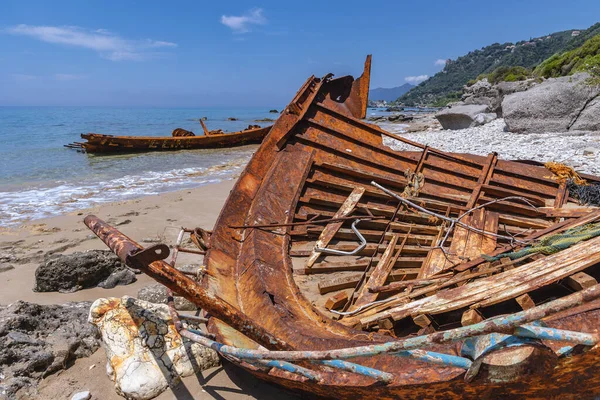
[(141, 259), (362, 245)]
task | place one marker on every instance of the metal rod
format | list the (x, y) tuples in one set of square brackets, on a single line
[(193, 318), (362, 245), (164, 273), (359, 369), (544, 333), (436, 358), (504, 324), (289, 367)]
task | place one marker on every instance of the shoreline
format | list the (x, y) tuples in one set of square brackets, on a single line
[(145, 219)]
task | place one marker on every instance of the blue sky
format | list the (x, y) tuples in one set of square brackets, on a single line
[(240, 53)]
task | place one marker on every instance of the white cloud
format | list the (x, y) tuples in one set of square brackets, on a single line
[(241, 23), (68, 77), (107, 44), (23, 77), (416, 79), (440, 62)]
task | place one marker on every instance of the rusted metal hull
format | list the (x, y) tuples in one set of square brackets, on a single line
[(312, 162), (98, 143)]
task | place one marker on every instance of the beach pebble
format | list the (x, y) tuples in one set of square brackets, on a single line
[(565, 147), (82, 396), (157, 293)]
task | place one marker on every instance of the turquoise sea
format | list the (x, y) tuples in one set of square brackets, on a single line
[(40, 178)]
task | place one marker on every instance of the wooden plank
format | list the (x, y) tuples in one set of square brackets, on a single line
[(488, 243), (331, 229), (327, 268), (470, 317), (501, 287), (336, 301), (484, 178), (347, 282), (379, 275), (580, 281)]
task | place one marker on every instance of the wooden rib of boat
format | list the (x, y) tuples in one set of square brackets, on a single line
[(99, 143), (426, 217)]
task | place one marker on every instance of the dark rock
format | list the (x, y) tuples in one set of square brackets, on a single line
[(232, 119), (204, 118), (555, 105), (77, 270), (38, 340), (274, 111), (157, 293), (394, 109), (460, 116), (264, 120), (119, 277)]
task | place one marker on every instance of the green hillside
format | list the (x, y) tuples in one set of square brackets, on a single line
[(582, 59), (447, 84)]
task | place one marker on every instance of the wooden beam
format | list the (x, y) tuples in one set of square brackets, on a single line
[(525, 301), (484, 178), (336, 301), (347, 282), (379, 275), (580, 281), (332, 228), (470, 317), (422, 320)]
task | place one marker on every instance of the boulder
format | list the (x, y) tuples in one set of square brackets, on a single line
[(555, 105), (71, 272), (483, 118), (273, 111), (144, 351), (460, 116), (157, 293), (38, 340)]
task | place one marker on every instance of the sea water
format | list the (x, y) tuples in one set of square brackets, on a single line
[(39, 177)]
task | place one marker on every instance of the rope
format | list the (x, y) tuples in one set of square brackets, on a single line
[(554, 243), (588, 195), (564, 172)]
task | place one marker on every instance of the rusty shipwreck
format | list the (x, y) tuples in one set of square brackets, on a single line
[(180, 139), (345, 269)]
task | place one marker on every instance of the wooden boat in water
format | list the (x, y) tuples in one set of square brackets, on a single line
[(453, 275), (180, 140)]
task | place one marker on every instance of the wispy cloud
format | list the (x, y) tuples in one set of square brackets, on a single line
[(416, 79), (242, 23), (68, 77), (23, 77), (440, 62), (105, 43)]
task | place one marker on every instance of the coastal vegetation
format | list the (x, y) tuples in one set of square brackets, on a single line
[(446, 85), (585, 58)]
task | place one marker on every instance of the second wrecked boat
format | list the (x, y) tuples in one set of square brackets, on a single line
[(327, 217), (181, 139)]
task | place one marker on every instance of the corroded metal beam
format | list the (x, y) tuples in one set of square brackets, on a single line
[(162, 272)]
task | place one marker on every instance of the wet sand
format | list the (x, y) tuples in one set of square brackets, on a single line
[(146, 220)]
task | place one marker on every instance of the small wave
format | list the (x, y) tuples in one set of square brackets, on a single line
[(25, 205)]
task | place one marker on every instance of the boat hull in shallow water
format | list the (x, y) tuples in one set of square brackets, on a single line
[(98, 143), (264, 289)]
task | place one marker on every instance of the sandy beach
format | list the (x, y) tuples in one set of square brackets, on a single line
[(147, 219)]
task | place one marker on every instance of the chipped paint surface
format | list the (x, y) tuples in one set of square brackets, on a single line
[(144, 351)]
